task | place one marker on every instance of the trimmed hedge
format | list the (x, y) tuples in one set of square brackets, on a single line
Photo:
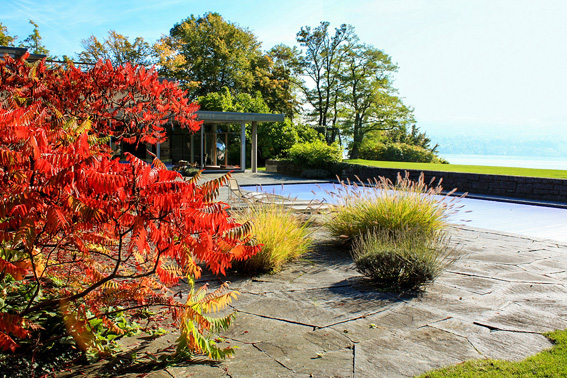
[(398, 152)]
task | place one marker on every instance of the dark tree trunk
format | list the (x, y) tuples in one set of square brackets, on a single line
[(356, 137), (354, 151)]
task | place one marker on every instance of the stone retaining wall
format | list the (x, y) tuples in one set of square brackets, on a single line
[(533, 188)]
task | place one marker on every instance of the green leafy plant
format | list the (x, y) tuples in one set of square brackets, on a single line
[(47, 335), (104, 336), (404, 259), (382, 205), (201, 304), (281, 233), (398, 152), (316, 154)]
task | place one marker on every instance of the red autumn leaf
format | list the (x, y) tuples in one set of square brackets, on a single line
[(118, 234)]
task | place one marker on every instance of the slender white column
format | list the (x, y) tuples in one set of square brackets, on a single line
[(202, 146), (254, 147), (243, 146)]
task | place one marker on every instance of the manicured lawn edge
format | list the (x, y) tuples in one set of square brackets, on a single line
[(548, 363), (505, 171)]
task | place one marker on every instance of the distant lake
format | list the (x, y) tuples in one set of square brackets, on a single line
[(508, 161)]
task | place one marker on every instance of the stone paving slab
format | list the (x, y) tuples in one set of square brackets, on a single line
[(494, 344), (320, 318), (407, 353), (303, 357), (520, 317)]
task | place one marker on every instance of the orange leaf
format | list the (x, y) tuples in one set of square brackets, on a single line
[(7, 343), (238, 251), (14, 269)]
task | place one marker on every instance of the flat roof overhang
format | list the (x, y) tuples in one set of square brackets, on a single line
[(234, 117), (17, 52), (210, 117)]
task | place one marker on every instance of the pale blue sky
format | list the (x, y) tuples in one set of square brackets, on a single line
[(495, 66)]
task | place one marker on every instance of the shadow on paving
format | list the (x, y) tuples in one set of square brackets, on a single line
[(319, 317)]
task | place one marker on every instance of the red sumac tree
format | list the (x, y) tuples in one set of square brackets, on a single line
[(88, 235)]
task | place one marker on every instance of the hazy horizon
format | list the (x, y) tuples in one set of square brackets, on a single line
[(482, 70), (498, 139)]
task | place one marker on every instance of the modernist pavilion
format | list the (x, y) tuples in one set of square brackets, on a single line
[(208, 148)]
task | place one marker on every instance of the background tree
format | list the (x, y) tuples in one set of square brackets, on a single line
[(280, 90), (5, 38), (33, 42), (118, 49), (206, 54), (321, 63), (410, 134), (209, 53), (368, 98), (349, 88)]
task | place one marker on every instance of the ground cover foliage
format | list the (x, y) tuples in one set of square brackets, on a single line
[(397, 232), (89, 244), (549, 363)]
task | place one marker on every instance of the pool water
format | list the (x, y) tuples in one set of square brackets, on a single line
[(527, 220)]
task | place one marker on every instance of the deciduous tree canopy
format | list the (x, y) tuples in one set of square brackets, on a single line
[(5, 38), (321, 63), (349, 86), (208, 53), (118, 49)]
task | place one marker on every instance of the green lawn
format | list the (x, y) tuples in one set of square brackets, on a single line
[(547, 173), (549, 363)]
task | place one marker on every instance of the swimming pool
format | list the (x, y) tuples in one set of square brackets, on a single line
[(528, 220)]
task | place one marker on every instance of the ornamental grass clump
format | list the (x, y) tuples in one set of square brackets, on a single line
[(397, 231), (282, 234), (382, 205), (401, 260)]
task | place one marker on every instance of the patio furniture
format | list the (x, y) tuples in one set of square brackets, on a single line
[(237, 197), (236, 194)]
